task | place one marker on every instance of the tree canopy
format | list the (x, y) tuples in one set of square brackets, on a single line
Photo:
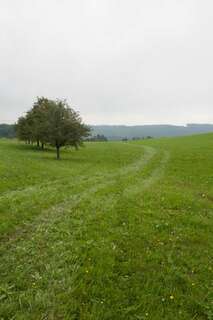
[(54, 123)]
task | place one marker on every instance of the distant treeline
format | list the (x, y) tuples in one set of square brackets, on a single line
[(98, 137), (7, 131)]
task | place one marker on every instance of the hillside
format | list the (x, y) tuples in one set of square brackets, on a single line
[(117, 230), (119, 132)]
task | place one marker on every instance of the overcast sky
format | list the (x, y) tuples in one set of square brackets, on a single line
[(115, 61)]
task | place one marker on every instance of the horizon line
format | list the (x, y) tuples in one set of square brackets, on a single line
[(135, 125)]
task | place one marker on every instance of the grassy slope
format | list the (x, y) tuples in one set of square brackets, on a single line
[(114, 231)]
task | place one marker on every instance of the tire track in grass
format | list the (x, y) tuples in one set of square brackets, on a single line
[(52, 214), (100, 182), (30, 191), (49, 227), (156, 174), (56, 212), (36, 196)]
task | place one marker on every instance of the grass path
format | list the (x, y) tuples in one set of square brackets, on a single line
[(88, 187)]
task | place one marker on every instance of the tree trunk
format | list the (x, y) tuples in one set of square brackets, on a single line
[(42, 146), (38, 143), (58, 152)]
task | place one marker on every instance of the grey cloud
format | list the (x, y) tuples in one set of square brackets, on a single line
[(126, 62)]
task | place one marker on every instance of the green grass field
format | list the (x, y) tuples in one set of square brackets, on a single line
[(114, 231)]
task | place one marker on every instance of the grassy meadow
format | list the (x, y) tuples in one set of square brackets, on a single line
[(117, 230)]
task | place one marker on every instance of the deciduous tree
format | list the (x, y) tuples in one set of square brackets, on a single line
[(54, 123)]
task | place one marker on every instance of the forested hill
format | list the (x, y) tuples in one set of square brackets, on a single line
[(114, 132), (7, 131)]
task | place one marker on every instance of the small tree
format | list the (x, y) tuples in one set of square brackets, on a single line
[(24, 129), (65, 127), (39, 115)]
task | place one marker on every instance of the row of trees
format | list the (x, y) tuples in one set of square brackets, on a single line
[(54, 123), (98, 137)]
